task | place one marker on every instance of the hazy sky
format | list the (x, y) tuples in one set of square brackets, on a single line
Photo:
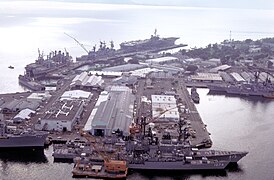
[(245, 4)]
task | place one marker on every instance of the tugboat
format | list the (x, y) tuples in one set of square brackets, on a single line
[(11, 67), (111, 169), (194, 95)]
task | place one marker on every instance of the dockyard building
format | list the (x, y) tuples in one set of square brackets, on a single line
[(125, 67), (113, 110), (87, 81), (206, 77), (65, 112), (16, 105)]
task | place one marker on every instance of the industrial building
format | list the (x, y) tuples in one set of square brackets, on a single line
[(206, 77), (16, 105), (164, 108), (113, 110), (125, 67), (87, 81), (142, 73), (40, 97), (162, 60), (220, 68), (65, 112), (106, 73), (226, 77), (237, 77)]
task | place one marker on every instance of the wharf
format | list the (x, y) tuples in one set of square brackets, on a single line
[(199, 136), (202, 138)]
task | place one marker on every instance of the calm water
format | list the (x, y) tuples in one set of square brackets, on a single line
[(235, 123)]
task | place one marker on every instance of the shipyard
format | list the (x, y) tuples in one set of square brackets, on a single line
[(109, 116)]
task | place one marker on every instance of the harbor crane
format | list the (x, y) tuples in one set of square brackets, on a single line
[(113, 166), (80, 44), (136, 127)]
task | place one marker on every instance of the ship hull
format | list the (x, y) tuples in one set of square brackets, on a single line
[(178, 165), (23, 142)]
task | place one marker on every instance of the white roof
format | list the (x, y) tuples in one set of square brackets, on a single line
[(106, 73), (85, 80), (166, 103), (24, 114), (237, 77), (143, 72), (39, 96), (162, 59), (75, 94), (207, 77), (163, 99)]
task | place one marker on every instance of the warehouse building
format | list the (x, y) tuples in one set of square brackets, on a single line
[(125, 67), (237, 77), (113, 110), (87, 81), (206, 77), (162, 60), (65, 112)]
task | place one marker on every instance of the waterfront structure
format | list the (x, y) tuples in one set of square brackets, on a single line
[(113, 110), (206, 77), (238, 78)]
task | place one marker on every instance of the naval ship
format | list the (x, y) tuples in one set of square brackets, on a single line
[(194, 95), (155, 42), (253, 88), (11, 137)]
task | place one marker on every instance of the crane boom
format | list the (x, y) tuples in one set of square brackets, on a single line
[(82, 46)]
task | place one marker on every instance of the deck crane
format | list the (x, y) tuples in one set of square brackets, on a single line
[(82, 46)]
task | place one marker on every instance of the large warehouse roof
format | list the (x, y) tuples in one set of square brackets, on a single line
[(206, 77), (113, 110)]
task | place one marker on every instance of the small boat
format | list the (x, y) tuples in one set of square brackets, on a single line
[(112, 169), (11, 67)]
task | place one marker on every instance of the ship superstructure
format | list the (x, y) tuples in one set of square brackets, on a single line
[(12, 137)]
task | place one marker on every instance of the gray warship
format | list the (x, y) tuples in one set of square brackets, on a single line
[(253, 88), (11, 137), (155, 42)]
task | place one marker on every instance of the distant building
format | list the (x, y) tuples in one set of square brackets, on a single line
[(220, 68), (106, 73), (206, 77), (237, 77), (125, 67), (162, 60)]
